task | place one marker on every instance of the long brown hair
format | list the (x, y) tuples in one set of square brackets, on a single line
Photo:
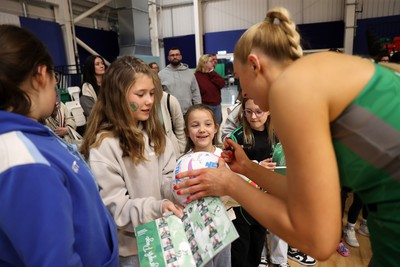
[(111, 115), (89, 72)]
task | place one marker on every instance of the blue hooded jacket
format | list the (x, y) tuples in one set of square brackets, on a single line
[(51, 213)]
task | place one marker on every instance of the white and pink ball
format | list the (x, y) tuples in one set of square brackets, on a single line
[(193, 161)]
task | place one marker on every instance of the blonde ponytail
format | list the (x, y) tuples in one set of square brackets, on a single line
[(280, 16), (276, 36)]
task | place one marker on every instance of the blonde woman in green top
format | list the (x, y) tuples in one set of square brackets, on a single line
[(337, 119)]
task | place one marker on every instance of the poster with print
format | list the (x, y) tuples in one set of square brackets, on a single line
[(193, 240)]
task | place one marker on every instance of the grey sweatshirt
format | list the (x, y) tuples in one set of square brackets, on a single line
[(181, 83)]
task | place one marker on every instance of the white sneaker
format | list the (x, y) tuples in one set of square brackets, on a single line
[(299, 257), (350, 237), (263, 262), (363, 229)]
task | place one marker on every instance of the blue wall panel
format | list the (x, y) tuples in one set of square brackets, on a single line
[(50, 34), (382, 27), (221, 41), (103, 42), (187, 46), (314, 36), (321, 35)]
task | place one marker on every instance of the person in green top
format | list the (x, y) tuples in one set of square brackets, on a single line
[(337, 117)]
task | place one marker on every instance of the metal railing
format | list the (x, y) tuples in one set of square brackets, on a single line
[(70, 75)]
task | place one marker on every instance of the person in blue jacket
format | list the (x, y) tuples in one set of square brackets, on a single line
[(51, 213)]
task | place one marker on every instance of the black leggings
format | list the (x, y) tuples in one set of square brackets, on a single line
[(355, 207), (247, 249)]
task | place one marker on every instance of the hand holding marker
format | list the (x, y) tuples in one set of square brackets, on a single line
[(228, 159)]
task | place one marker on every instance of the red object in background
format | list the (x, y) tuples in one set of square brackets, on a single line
[(390, 48), (396, 42)]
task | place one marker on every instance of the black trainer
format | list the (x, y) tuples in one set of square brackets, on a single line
[(296, 255)]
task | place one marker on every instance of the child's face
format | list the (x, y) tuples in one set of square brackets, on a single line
[(141, 94), (255, 116), (201, 130)]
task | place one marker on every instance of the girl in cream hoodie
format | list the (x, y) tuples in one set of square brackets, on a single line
[(130, 155)]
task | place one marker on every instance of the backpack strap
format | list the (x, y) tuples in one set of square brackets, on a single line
[(169, 111)]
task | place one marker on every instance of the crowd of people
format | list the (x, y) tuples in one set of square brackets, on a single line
[(335, 115)]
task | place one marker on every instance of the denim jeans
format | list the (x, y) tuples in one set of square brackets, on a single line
[(222, 259), (217, 110), (278, 249)]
